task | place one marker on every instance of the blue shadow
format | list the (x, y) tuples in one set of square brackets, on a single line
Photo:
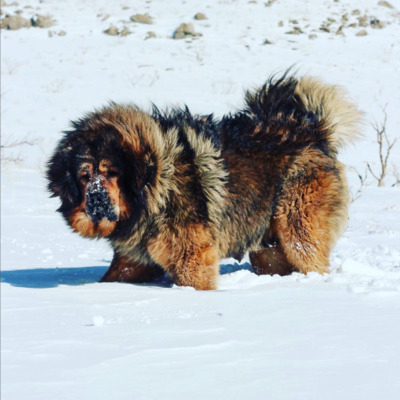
[(42, 278), (230, 268)]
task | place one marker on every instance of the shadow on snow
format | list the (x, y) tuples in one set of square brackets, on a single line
[(41, 278)]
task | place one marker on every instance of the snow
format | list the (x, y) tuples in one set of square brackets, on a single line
[(64, 335)]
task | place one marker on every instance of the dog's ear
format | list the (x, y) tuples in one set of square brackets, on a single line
[(61, 178)]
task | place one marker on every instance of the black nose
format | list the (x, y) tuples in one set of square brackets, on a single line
[(98, 205), (97, 199)]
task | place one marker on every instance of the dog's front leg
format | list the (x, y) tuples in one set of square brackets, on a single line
[(189, 255), (123, 269)]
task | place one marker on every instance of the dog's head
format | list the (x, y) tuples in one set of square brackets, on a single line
[(99, 171)]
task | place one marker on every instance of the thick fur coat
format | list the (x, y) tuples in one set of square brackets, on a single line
[(175, 193)]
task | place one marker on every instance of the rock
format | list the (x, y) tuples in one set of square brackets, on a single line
[(280, 23), (363, 32), (179, 35), (312, 36), (266, 41), (373, 22), (376, 24), (363, 21), (142, 18), (42, 21), (325, 27), (295, 31), (15, 22), (125, 32), (200, 16), (184, 30), (150, 35), (62, 33), (112, 30), (385, 4), (340, 31)]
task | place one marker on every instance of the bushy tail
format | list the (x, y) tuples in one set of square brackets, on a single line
[(307, 105), (339, 116)]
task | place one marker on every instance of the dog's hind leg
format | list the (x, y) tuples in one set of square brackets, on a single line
[(123, 269), (311, 215), (271, 260)]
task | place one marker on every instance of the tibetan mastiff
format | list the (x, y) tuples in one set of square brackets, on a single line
[(175, 193)]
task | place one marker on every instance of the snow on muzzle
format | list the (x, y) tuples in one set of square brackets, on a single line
[(98, 205)]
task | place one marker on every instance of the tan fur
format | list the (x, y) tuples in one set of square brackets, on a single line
[(189, 256), (213, 174), (332, 105), (105, 227), (81, 223)]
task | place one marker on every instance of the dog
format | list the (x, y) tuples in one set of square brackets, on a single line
[(174, 192)]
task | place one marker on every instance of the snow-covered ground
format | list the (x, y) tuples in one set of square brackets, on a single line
[(63, 335)]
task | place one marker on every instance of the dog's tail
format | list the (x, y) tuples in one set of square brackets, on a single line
[(308, 109), (338, 115)]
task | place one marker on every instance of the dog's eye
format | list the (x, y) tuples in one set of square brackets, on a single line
[(112, 174), (84, 172), (85, 177)]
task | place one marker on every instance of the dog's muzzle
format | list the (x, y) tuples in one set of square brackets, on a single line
[(98, 205)]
